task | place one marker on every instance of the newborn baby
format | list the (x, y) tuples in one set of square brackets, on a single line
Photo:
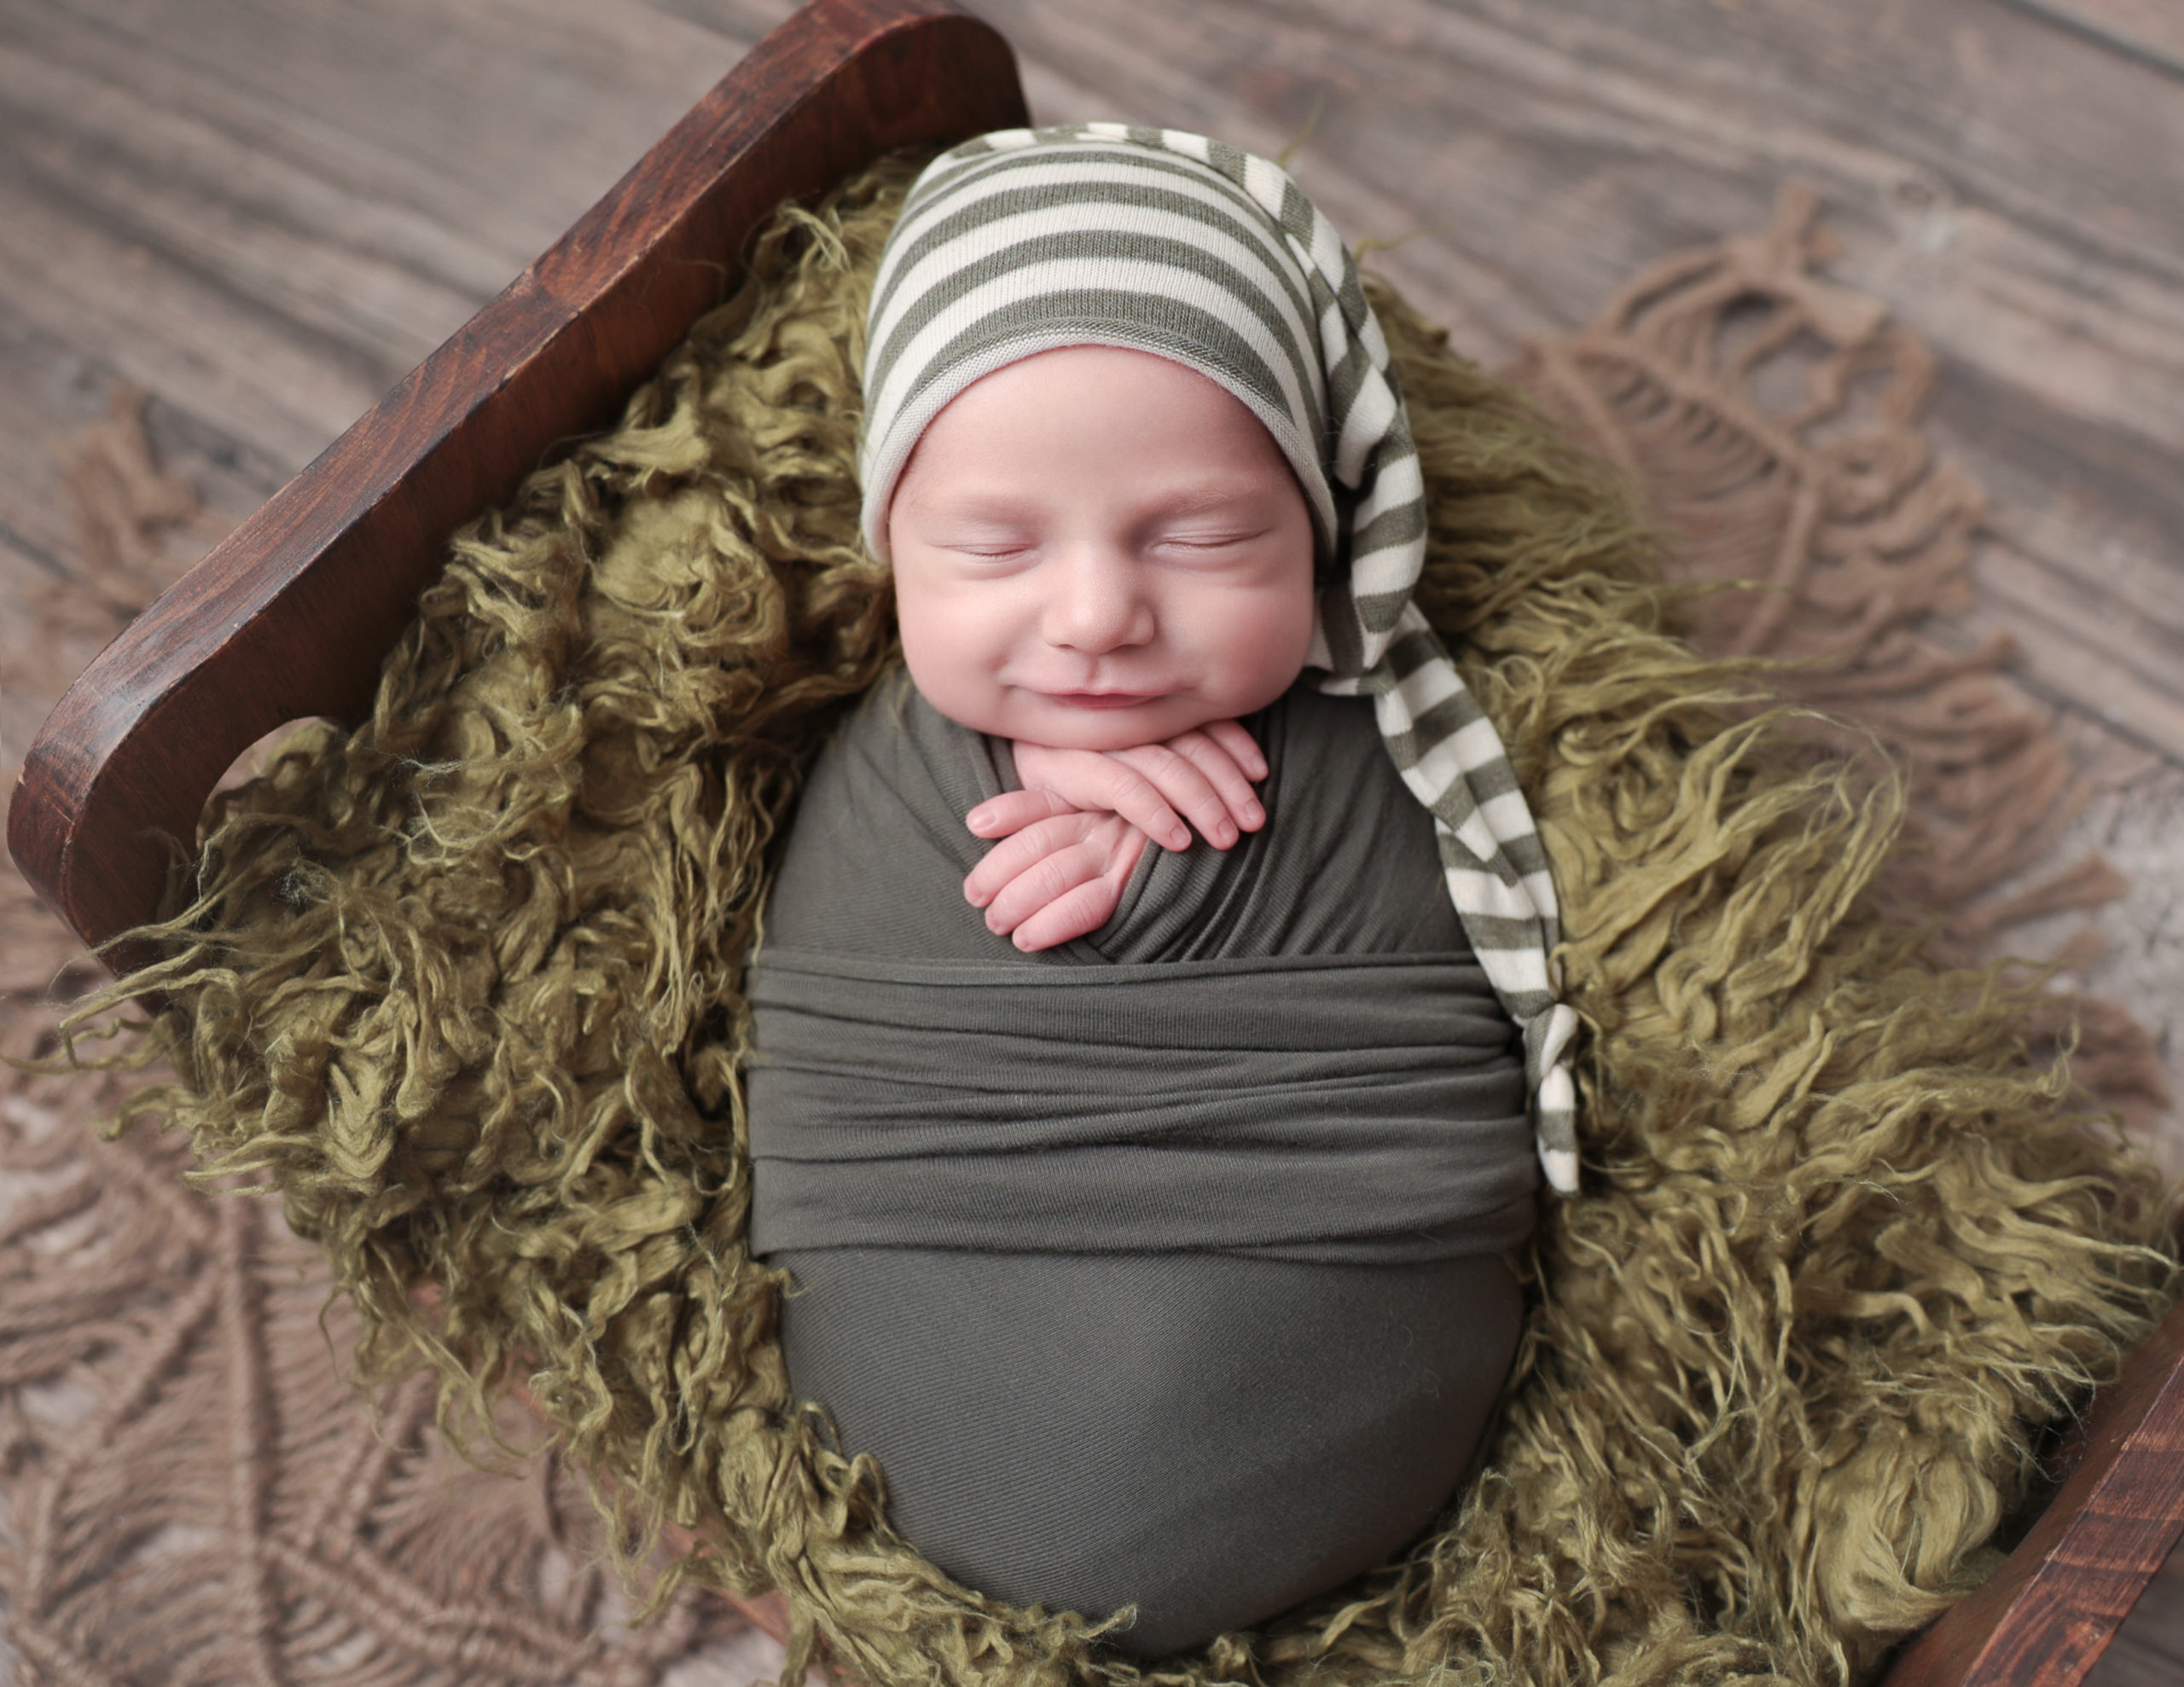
[(1159, 1254)]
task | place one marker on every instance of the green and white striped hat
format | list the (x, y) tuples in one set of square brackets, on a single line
[(1103, 234)]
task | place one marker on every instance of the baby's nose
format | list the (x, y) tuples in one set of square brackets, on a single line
[(1097, 601)]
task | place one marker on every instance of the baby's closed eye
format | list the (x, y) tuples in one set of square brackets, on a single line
[(1203, 541)]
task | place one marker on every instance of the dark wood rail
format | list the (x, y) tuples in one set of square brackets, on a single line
[(2046, 1616), (291, 616)]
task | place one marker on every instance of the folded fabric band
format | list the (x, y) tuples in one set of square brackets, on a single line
[(1360, 1109)]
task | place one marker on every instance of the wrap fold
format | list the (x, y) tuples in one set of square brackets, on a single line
[(1335, 1108)]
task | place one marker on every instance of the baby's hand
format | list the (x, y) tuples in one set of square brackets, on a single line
[(1075, 832), (1057, 879), (1207, 773)]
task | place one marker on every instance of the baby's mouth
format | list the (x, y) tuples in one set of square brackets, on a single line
[(1103, 699)]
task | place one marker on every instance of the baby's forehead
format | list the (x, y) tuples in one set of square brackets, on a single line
[(1122, 427)]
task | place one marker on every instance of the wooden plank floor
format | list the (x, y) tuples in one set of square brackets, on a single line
[(265, 211)]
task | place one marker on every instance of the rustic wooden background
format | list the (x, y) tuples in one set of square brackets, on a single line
[(264, 212)]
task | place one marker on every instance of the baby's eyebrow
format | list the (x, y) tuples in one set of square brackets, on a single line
[(979, 504), (1207, 500)]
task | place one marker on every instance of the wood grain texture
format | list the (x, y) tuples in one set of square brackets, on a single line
[(2046, 1617), (278, 207), (291, 616), (2146, 1651), (2152, 31)]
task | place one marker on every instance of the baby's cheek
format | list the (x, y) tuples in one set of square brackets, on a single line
[(944, 645), (1268, 636)]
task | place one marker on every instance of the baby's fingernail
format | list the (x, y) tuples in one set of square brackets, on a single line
[(1253, 813), (978, 821), (1224, 834), (1180, 838)]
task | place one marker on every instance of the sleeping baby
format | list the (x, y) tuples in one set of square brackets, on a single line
[(1147, 1198)]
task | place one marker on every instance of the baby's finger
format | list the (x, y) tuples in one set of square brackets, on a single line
[(1180, 780), (1094, 779), (1137, 800), (1014, 810), (1243, 748), (1076, 913), (1040, 886), (1217, 763), (1055, 873), (1091, 905), (1014, 856)]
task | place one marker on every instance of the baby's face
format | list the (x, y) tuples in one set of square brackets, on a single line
[(1096, 548)]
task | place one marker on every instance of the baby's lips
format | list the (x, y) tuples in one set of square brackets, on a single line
[(1103, 699)]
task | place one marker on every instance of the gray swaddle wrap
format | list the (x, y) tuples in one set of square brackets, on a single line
[(1161, 1267)]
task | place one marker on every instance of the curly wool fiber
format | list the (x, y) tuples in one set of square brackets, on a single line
[(463, 985)]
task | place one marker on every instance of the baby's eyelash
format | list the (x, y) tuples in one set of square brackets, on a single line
[(1191, 541)]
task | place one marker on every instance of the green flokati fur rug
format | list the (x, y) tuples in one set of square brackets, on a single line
[(463, 985)]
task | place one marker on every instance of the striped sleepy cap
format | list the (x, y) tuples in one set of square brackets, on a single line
[(1099, 233)]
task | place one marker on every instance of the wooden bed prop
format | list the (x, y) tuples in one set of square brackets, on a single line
[(293, 614)]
